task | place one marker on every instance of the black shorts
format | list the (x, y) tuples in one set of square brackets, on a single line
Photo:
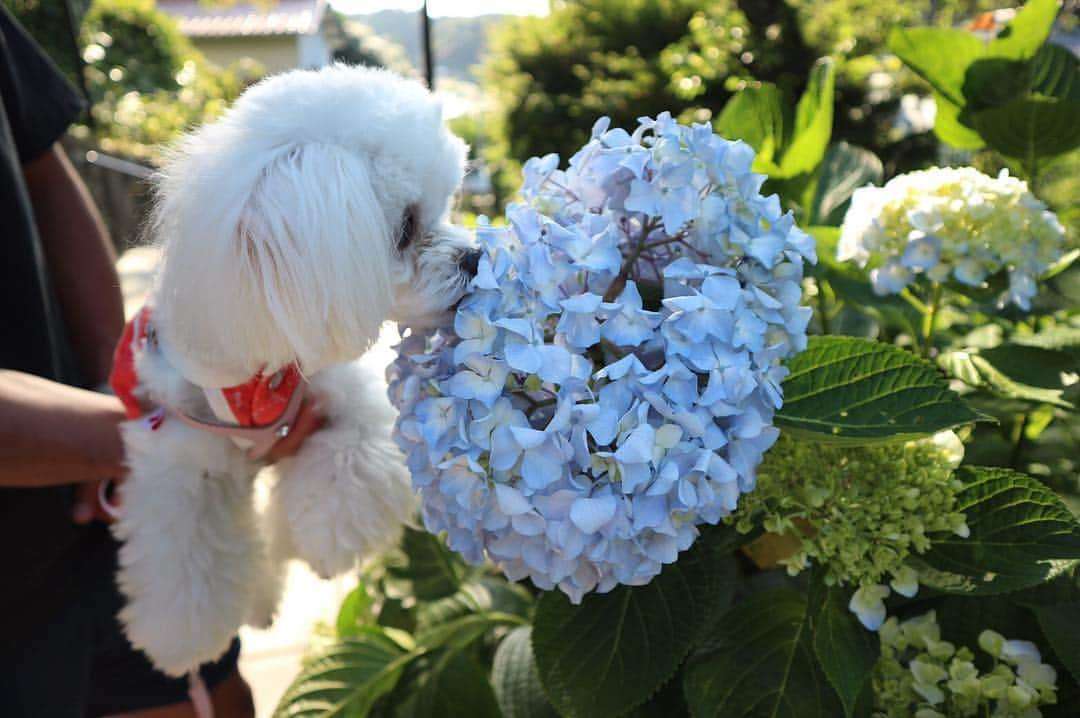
[(63, 653)]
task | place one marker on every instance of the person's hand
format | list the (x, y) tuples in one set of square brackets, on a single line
[(88, 495), (310, 418)]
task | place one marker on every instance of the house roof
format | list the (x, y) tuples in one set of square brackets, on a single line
[(241, 19)]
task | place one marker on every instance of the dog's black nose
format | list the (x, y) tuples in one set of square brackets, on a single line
[(470, 261)]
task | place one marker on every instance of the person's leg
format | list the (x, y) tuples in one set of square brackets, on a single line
[(46, 628), (123, 682), (231, 699)]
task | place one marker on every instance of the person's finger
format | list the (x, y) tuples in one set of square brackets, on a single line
[(310, 418), (84, 500)]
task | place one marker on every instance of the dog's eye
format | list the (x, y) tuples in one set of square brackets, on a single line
[(408, 228)]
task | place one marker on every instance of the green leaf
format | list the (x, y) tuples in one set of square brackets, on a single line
[(1060, 338), (355, 611), (950, 130), (813, 123), (845, 650), (764, 664), (462, 631), (1056, 73), (394, 614), (1021, 535), (515, 679), (346, 677), (843, 389), (844, 169), (756, 116), (430, 571), (1030, 127), (963, 618), (993, 81), (1056, 608), (1060, 623), (940, 56), (995, 369), (484, 594), (1027, 32), (451, 684), (616, 649)]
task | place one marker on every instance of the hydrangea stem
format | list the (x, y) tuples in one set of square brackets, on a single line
[(619, 282), (929, 319)]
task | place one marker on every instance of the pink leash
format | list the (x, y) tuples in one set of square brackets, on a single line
[(200, 697)]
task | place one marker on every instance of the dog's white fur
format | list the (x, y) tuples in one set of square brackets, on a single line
[(280, 228)]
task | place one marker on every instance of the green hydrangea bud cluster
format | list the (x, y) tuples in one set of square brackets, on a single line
[(921, 675), (857, 512)]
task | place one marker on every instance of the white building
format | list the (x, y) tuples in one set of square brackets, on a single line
[(280, 35)]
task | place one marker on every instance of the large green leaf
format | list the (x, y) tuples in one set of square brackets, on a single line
[(940, 56), (755, 115), (845, 650), (1060, 623), (850, 390), (1021, 535), (1055, 72), (949, 128), (844, 169), (1031, 127), (993, 81), (449, 684), (763, 664), (515, 679), (429, 571), (1055, 607), (463, 630), (355, 611), (1027, 31), (346, 677), (813, 123), (614, 651), (480, 595)]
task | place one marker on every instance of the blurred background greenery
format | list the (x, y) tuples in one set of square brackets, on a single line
[(524, 86)]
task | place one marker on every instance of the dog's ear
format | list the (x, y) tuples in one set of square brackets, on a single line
[(287, 263)]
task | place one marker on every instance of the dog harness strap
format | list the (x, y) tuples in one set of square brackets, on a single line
[(264, 407), (261, 437)]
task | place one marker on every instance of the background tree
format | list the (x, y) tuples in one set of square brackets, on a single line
[(549, 78)]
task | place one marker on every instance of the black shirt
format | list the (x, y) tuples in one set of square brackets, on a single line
[(36, 107)]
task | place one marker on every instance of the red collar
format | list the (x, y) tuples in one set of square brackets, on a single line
[(263, 407)]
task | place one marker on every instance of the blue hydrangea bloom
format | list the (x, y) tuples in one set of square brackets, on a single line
[(609, 380)]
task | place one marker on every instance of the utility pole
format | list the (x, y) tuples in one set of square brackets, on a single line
[(429, 61)]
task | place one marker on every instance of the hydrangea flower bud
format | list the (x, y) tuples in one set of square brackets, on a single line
[(919, 674), (859, 512)]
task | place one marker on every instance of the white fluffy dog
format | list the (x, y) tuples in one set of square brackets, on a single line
[(291, 229)]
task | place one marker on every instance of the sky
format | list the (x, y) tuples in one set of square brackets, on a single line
[(442, 8)]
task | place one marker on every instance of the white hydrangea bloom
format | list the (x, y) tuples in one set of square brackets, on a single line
[(953, 223)]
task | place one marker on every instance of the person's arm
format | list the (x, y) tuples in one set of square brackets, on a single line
[(53, 434), (81, 260)]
